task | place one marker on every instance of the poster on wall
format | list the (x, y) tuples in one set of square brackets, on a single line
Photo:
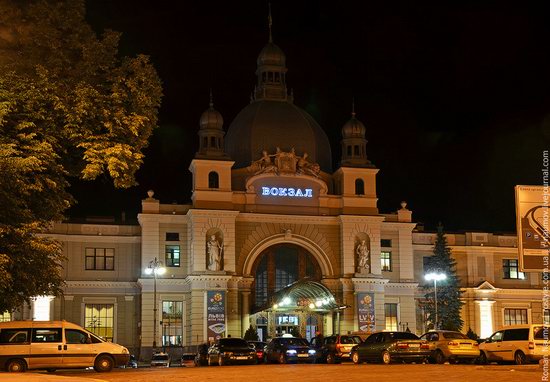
[(365, 312), (215, 315)]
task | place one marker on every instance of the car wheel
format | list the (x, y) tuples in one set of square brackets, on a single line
[(482, 358), (386, 357), (282, 358), (16, 366), (331, 358), (439, 357), (355, 358), (221, 361), (519, 358), (103, 363)]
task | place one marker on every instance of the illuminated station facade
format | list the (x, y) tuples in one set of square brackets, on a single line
[(274, 239)]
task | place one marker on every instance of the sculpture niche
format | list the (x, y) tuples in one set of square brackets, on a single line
[(214, 250)]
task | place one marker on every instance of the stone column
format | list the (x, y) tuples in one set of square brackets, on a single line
[(245, 311)]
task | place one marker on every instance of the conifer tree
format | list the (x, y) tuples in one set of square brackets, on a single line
[(448, 290)]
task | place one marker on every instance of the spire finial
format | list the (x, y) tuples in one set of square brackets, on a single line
[(353, 107), (211, 99), (270, 22)]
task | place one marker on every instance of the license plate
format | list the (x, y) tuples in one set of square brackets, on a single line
[(302, 355), (241, 357)]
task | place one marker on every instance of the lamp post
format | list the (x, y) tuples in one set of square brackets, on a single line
[(339, 310), (435, 277), (155, 268)]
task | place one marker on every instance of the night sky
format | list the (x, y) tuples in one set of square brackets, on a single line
[(455, 99)]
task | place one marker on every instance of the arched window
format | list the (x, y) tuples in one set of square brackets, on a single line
[(213, 180), (280, 266), (359, 187)]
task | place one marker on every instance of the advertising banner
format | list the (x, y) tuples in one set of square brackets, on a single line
[(215, 314), (532, 214), (365, 312)]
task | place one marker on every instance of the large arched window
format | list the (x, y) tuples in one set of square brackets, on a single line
[(280, 266), (213, 180), (359, 187)]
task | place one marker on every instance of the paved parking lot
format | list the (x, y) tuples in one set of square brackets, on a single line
[(298, 373)]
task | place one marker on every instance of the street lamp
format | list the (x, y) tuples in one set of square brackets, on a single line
[(155, 268), (435, 277)]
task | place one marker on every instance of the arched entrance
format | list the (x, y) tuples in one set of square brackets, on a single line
[(287, 297)]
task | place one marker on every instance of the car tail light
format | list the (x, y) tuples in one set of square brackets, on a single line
[(453, 343), (402, 346), (531, 345), (259, 353), (425, 346)]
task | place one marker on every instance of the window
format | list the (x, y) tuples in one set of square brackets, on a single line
[(99, 319), (385, 259), (5, 317), (349, 151), (213, 142), (385, 243), (515, 316), (516, 335), (172, 236), (359, 187), (14, 336), (172, 256), (213, 180), (546, 317), (73, 336), (511, 269), (426, 260), (46, 335), (100, 259), (391, 316), (172, 323), (356, 150)]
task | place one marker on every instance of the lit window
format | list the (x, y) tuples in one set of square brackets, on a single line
[(385, 259), (546, 317), (99, 319), (5, 317), (172, 323), (172, 256), (100, 259), (511, 269), (515, 316), (391, 316)]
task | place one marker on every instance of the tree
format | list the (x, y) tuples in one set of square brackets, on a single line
[(69, 107), (448, 290), (251, 334)]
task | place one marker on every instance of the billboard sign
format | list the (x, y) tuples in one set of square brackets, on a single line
[(215, 315), (365, 312), (532, 216)]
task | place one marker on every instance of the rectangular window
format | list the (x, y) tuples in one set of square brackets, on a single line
[(391, 316), (172, 236), (172, 323), (546, 317), (385, 243), (100, 259), (515, 316), (46, 335), (5, 317), (172, 256), (99, 319), (385, 259), (14, 336), (511, 269)]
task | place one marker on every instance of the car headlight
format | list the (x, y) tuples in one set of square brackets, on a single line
[(291, 352), (125, 351), (311, 351)]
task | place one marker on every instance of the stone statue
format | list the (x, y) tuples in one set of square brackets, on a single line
[(284, 163), (307, 168), (362, 252), (214, 250), (263, 165)]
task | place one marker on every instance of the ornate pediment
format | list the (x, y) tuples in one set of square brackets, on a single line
[(282, 162)]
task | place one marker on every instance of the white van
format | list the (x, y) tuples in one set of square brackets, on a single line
[(55, 345), (517, 343)]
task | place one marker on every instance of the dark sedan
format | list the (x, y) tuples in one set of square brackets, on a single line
[(231, 350), (289, 349), (387, 347)]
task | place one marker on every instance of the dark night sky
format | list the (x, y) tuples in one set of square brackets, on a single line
[(455, 99)]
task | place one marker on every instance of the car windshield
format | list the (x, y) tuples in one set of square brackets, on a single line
[(233, 342), (455, 336), (350, 340), (541, 332), (294, 341), (160, 357), (403, 336)]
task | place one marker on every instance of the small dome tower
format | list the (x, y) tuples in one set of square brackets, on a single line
[(354, 143), (211, 145)]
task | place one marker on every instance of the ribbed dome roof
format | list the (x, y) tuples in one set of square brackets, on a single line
[(353, 128), (271, 54), (266, 125), (211, 119)]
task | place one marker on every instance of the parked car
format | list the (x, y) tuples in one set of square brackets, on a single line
[(450, 345), (160, 360), (289, 349), (201, 358), (335, 348), (259, 346), (231, 350), (387, 347), (518, 343)]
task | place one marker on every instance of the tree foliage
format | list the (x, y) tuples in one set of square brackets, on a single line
[(69, 107), (448, 290), (251, 334)]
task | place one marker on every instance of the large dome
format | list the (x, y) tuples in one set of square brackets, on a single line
[(268, 124)]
